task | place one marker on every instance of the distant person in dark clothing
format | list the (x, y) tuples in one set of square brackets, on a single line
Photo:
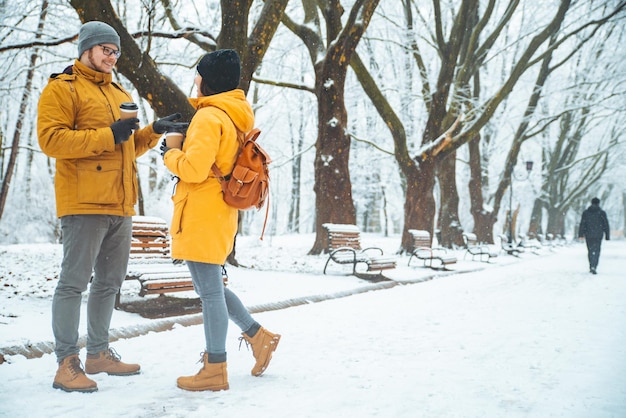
[(593, 225)]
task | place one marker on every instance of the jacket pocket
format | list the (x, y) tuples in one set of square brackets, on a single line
[(100, 181), (180, 201)]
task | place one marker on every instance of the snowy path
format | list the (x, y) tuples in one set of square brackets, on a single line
[(538, 338)]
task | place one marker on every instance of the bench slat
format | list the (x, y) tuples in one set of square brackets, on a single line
[(344, 247), (150, 262), (474, 248), (423, 250), (165, 286), (508, 247)]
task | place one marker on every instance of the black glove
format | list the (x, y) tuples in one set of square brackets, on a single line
[(167, 124), (164, 148), (123, 128)]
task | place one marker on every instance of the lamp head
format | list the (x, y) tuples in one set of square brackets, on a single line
[(529, 166)]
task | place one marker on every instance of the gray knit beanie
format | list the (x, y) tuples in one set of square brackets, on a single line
[(95, 33)]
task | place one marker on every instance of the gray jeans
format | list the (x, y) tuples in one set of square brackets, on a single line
[(98, 244), (218, 305)]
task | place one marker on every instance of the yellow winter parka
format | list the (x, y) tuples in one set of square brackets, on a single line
[(203, 225), (93, 174)]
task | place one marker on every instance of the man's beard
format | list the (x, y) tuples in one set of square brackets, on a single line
[(95, 66)]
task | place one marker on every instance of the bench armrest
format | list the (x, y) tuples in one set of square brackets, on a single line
[(340, 250), (380, 250)]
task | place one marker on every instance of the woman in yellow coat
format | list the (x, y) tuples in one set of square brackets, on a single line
[(203, 225)]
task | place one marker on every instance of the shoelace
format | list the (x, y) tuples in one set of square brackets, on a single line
[(202, 357), (112, 354), (243, 340), (75, 366)]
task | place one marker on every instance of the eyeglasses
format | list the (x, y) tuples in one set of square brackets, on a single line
[(110, 51)]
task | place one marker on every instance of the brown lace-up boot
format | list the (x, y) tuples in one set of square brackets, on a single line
[(70, 376), (110, 362), (212, 376), (263, 344)]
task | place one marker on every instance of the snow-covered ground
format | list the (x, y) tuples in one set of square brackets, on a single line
[(537, 336)]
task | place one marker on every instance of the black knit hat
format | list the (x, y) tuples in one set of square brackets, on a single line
[(220, 70), (595, 201)]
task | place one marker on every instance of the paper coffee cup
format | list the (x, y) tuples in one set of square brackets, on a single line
[(128, 110), (174, 140)]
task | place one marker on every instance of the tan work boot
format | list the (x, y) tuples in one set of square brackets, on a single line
[(70, 376), (263, 344), (109, 361), (212, 376)]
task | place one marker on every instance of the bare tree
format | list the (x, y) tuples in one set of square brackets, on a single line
[(10, 167), (574, 159), (453, 120), (451, 48), (461, 56), (333, 188)]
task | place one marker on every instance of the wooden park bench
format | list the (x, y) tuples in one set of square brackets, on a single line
[(532, 244), (344, 247), (557, 240), (509, 247), (484, 252), (547, 241), (150, 262), (433, 257)]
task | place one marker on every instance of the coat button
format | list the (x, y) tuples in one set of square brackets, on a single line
[(99, 168)]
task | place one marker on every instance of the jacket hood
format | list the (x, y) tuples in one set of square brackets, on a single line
[(234, 103)]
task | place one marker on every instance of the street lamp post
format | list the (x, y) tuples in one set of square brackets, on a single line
[(529, 168)]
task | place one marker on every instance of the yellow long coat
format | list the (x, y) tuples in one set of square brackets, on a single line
[(93, 174), (203, 225)]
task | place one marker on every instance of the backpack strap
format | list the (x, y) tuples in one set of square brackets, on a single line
[(242, 138)]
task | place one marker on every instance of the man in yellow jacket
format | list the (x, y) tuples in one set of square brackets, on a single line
[(79, 125)]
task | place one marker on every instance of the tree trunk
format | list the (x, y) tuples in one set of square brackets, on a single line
[(137, 66), (297, 142), (408, 167), (333, 188), (556, 221), (234, 29), (535, 228), (483, 222), (10, 166), (30, 158), (424, 211), (254, 47), (163, 95), (296, 170), (419, 205), (449, 223)]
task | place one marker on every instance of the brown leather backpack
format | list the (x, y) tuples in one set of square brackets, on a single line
[(247, 186)]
